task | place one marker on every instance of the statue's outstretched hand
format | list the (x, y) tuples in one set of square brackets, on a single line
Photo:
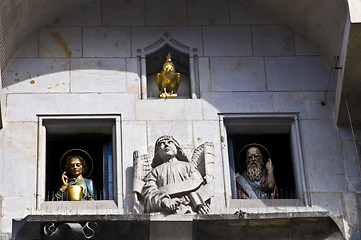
[(269, 165)]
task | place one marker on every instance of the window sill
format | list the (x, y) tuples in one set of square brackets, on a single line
[(79, 207), (264, 203)]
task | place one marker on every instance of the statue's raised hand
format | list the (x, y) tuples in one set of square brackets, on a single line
[(269, 165), (64, 179)]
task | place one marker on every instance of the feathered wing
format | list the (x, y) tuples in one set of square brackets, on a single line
[(141, 168), (160, 80), (203, 160), (177, 81)]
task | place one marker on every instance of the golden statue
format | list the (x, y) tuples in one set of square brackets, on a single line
[(168, 80)]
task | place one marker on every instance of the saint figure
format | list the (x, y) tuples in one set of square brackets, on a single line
[(257, 182), (75, 167)]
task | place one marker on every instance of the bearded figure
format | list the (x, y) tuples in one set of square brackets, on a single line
[(258, 181)]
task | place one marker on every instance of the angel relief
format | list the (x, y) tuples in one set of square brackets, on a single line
[(171, 183)]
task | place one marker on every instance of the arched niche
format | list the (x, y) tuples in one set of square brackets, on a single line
[(152, 58)]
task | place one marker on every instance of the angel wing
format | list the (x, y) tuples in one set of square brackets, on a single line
[(203, 160), (141, 166)]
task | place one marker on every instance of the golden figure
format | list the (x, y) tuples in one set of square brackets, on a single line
[(168, 80), (75, 187)]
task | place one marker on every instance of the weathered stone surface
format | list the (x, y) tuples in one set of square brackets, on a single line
[(133, 79), (19, 153), (89, 15), (30, 48), (26, 107), (106, 42), (302, 47), (298, 74), (30, 75), (242, 13), (227, 41), (323, 164), (165, 13), (123, 13), (307, 104), (169, 109), (98, 75), (203, 12), (273, 40), (237, 74), (60, 42)]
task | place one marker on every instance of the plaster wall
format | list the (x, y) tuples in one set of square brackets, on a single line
[(248, 63)]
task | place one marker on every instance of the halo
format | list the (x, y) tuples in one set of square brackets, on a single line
[(81, 153), (251, 144)]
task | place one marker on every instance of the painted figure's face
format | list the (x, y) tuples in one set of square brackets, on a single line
[(254, 156), (167, 149), (75, 167)]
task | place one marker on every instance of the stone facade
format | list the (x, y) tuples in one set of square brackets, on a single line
[(248, 62)]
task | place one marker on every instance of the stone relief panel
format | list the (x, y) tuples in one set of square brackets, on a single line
[(171, 183)]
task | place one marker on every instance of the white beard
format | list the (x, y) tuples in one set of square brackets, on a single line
[(254, 172)]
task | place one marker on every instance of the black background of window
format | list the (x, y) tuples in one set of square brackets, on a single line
[(57, 145), (280, 149)]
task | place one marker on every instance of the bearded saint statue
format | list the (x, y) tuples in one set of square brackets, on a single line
[(257, 182)]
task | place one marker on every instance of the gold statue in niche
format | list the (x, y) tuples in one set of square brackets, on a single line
[(168, 80)]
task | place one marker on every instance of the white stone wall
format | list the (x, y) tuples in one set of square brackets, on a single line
[(248, 62)]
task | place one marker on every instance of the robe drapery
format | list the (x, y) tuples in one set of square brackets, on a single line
[(174, 180), (260, 188)]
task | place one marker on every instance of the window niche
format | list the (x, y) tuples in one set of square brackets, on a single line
[(98, 136), (152, 58), (279, 134)]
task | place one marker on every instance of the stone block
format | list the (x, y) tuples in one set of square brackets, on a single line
[(347, 134), (123, 13), (242, 13), (270, 232), (19, 159), (25, 107), (98, 75), (354, 184), (322, 155), (170, 230), (204, 75), (133, 79), (237, 74), (182, 131), (60, 42), (307, 104), (166, 13), (302, 47), (87, 15), (227, 41), (30, 48), (203, 12), (29, 75), (15, 207), (298, 74), (350, 208), (144, 36), (328, 201), (351, 159), (106, 42), (134, 138), (273, 40), (169, 109)]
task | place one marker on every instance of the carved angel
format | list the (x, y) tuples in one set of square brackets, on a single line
[(171, 183)]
